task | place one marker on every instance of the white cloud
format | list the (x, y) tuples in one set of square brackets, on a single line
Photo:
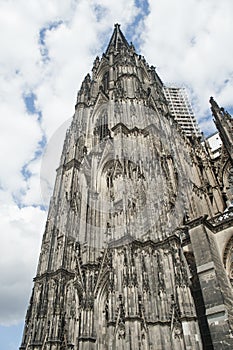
[(190, 42), (47, 47), (20, 134), (21, 232)]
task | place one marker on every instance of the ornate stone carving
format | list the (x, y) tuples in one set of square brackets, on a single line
[(130, 185)]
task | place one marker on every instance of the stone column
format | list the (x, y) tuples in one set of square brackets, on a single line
[(214, 285)]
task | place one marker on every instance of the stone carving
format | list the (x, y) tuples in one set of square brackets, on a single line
[(133, 197)]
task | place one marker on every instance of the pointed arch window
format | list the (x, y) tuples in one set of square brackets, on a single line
[(228, 259), (105, 82), (101, 128)]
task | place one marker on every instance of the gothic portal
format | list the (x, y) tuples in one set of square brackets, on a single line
[(137, 248)]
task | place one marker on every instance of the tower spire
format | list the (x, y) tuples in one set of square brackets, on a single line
[(112, 271), (117, 40), (224, 124)]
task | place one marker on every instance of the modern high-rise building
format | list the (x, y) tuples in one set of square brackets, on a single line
[(138, 245), (181, 109)]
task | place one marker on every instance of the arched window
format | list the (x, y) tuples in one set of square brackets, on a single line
[(228, 259), (101, 128), (105, 82), (228, 183)]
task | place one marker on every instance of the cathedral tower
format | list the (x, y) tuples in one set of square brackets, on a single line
[(128, 239)]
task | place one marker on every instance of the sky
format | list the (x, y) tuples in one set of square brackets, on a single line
[(47, 47)]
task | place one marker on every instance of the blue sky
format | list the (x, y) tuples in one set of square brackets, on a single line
[(47, 47)]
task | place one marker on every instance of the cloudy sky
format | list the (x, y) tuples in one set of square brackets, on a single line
[(47, 47)]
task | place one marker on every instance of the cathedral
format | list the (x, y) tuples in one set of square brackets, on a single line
[(137, 252)]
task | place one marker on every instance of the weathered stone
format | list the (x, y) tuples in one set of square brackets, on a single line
[(132, 255)]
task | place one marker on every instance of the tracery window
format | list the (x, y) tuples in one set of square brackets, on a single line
[(228, 259), (230, 180), (105, 82), (228, 183), (101, 128)]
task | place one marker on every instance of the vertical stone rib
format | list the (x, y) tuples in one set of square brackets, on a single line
[(112, 273)]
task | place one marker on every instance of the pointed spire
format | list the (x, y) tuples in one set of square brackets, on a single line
[(214, 105), (224, 124), (117, 40)]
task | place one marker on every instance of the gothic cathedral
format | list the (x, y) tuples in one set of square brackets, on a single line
[(137, 251)]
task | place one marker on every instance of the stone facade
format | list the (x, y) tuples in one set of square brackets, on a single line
[(137, 248)]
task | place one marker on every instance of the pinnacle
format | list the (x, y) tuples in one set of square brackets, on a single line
[(117, 40)]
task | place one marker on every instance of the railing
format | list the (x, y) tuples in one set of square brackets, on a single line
[(228, 214)]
